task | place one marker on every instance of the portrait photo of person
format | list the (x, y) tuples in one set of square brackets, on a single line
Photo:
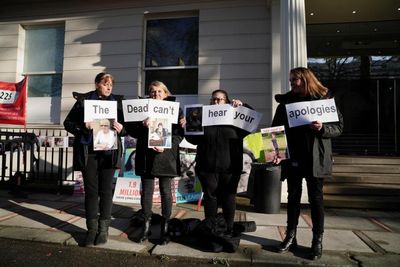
[(60, 142), (105, 137), (193, 120), (274, 143), (129, 159), (46, 141), (159, 134), (248, 159)]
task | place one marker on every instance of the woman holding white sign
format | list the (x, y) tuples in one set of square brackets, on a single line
[(156, 161), (219, 163), (310, 157), (97, 166)]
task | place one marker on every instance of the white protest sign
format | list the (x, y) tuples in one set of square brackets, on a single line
[(241, 117), (164, 110), (217, 115), (140, 109), (302, 113), (246, 118), (135, 109), (127, 190), (99, 109)]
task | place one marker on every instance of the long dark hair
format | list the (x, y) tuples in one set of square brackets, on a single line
[(313, 86), (222, 92)]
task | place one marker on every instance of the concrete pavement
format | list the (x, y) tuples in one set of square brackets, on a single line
[(352, 237)]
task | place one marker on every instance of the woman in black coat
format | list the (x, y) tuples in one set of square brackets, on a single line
[(156, 161), (310, 157), (97, 167), (219, 164)]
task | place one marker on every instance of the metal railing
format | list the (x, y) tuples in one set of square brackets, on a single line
[(29, 152)]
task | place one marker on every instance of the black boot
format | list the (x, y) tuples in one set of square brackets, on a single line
[(164, 234), (91, 233), (316, 247), (289, 243), (145, 230), (102, 236)]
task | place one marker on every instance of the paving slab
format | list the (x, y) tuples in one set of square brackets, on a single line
[(41, 196), (40, 205), (350, 222), (124, 244), (51, 236), (390, 242), (34, 234), (122, 211), (4, 213), (393, 223), (335, 240), (118, 226), (34, 219), (78, 225), (264, 236), (71, 198), (271, 219), (361, 213)]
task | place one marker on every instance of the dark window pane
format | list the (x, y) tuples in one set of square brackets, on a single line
[(179, 82), (44, 85), (172, 42), (44, 49)]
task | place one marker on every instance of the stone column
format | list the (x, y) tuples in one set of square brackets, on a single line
[(293, 38)]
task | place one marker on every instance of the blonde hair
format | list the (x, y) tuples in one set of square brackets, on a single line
[(313, 86), (159, 84)]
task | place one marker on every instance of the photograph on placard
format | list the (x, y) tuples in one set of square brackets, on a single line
[(160, 133), (105, 137), (61, 141), (274, 143), (46, 141), (193, 114)]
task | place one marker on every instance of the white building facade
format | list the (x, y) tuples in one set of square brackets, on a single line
[(234, 45)]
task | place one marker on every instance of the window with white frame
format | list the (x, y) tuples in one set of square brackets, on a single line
[(43, 64), (171, 53)]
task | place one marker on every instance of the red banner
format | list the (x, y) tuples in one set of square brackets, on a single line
[(13, 102)]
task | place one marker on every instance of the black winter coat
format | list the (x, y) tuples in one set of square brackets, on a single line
[(220, 149), (75, 125), (150, 162), (310, 151)]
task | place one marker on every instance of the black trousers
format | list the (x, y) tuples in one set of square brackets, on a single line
[(98, 179), (219, 189), (146, 199), (315, 197)]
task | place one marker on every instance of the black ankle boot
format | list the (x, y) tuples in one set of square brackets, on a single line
[(91, 233), (145, 230), (102, 236), (164, 234), (316, 247), (289, 243)]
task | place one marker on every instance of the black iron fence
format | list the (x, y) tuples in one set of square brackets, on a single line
[(37, 156)]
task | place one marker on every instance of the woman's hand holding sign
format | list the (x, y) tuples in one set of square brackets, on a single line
[(316, 125), (236, 103)]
